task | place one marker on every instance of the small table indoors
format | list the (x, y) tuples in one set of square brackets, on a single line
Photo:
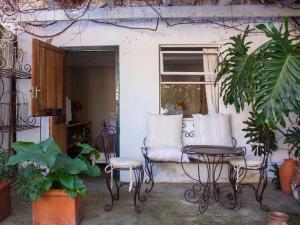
[(213, 158)]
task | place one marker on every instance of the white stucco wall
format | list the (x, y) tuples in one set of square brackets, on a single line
[(139, 71)]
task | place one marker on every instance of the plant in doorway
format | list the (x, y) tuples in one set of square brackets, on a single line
[(7, 174), (49, 178)]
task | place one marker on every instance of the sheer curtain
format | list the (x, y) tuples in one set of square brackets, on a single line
[(210, 63)]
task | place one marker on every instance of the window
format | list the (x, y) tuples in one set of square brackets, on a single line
[(187, 76)]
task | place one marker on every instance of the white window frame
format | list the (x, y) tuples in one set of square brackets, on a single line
[(162, 72)]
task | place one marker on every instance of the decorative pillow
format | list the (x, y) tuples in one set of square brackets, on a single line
[(167, 154), (212, 129), (164, 130)]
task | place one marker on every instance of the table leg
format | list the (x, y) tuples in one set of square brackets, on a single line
[(200, 192)]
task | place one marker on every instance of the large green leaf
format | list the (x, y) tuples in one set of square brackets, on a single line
[(72, 185), (92, 171), (86, 149), (66, 164), (75, 166), (278, 77), (236, 72), (43, 153)]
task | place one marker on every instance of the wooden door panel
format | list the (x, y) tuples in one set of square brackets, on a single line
[(58, 131), (47, 79)]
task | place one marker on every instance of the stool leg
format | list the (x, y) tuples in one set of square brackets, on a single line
[(139, 175), (108, 207), (149, 173), (232, 198), (260, 189), (141, 198)]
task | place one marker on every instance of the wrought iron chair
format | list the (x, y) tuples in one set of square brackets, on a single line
[(238, 170), (115, 164)]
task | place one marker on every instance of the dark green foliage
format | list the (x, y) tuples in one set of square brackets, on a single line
[(278, 77), (268, 78), (276, 179), (292, 137), (260, 133), (44, 166), (6, 172), (237, 70)]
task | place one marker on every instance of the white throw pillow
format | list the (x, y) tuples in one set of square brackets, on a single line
[(167, 154), (164, 130), (212, 129)]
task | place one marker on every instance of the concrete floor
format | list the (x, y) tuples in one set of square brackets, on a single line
[(165, 205)]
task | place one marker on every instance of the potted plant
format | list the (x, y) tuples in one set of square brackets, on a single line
[(292, 138), (49, 178), (267, 79), (7, 173)]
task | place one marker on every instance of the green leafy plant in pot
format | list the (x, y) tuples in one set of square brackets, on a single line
[(7, 174), (267, 79), (49, 178)]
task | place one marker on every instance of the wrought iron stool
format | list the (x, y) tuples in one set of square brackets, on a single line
[(115, 164), (238, 169)]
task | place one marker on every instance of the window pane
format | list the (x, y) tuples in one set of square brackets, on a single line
[(183, 62), (182, 78), (183, 98)]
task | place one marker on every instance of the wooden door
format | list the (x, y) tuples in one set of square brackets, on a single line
[(58, 130), (47, 79), (48, 88)]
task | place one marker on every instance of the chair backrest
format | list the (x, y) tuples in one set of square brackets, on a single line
[(109, 137)]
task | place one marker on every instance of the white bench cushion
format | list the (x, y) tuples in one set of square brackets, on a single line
[(252, 163), (164, 130), (167, 154), (125, 163), (212, 129)]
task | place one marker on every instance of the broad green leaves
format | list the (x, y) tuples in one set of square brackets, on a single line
[(44, 166), (87, 149), (268, 78), (43, 154), (237, 72), (278, 78)]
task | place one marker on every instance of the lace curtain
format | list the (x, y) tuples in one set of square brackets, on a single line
[(210, 63)]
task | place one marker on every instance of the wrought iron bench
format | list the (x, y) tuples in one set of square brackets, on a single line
[(188, 134)]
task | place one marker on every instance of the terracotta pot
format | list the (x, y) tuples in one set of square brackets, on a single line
[(57, 208), (295, 183), (5, 205), (286, 172), (277, 218)]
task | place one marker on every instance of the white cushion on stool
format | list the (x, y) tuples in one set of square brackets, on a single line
[(251, 163), (125, 163)]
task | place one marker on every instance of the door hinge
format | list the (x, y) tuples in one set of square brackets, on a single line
[(35, 91)]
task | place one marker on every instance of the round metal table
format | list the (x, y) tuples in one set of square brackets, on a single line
[(213, 158)]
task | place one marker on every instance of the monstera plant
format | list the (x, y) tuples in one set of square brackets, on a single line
[(50, 179), (267, 79)]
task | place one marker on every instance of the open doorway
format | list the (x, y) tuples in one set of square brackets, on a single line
[(91, 91)]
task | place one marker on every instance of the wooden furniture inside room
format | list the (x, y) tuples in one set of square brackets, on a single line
[(78, 132)]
